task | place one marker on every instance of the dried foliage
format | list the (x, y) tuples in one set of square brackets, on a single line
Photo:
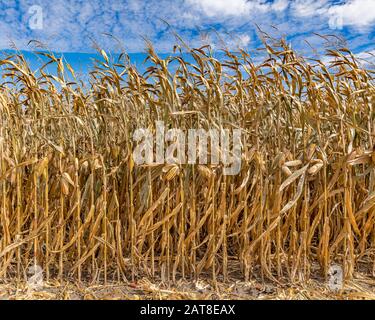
[(73, 202)]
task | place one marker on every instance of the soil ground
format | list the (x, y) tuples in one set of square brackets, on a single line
[(360, 287)]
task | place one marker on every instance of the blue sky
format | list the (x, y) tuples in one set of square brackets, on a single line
[(72, 25)]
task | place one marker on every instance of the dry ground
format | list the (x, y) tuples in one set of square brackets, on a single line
[(361, 287)]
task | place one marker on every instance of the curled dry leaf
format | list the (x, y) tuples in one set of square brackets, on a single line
[(286, 170), (316, 167), (293, 163), (172, 172)]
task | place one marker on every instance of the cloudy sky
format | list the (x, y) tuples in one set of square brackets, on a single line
[(72, 25)]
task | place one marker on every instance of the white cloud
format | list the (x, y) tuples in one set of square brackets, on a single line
[(280, 5), (308, 8), (245, 39), (221, 7), (224, 8), (359, 14)]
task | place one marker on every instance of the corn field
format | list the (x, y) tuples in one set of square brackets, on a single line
[(73, 201)]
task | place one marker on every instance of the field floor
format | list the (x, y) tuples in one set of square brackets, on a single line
[(361, 287)]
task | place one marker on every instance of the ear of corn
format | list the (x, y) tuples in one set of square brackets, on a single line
[(73, 202)]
